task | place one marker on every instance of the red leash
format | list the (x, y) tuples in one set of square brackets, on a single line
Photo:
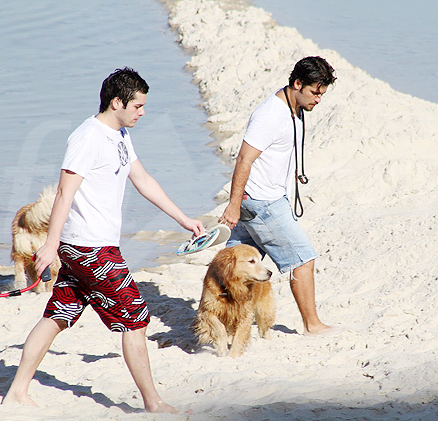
[(45, 276)]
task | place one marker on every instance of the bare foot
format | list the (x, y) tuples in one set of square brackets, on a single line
[(12, 398), (161, 407), (324, 330)]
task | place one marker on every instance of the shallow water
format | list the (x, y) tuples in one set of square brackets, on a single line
[(392, 41), (54, 57)]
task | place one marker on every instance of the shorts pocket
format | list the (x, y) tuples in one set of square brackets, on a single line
[(246, 214), (258, 226)]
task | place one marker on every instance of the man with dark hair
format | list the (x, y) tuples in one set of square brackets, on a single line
[(124, 84), (259, 212), (84, 230)]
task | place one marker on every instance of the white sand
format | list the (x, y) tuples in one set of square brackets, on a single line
[(370, 210)]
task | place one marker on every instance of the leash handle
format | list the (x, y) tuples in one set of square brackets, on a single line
[(46, 275)]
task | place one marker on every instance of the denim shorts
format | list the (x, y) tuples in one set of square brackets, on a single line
[(274, 230)]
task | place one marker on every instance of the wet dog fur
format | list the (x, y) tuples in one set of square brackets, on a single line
[(236, 290), (29, 233)]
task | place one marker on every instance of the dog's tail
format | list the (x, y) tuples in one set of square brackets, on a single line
[(36, 216)]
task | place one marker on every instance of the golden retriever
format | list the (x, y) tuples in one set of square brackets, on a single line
[(236, 291), (29, 233)]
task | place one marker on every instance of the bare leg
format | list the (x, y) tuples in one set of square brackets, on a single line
[(303, 290), (137, 359), (35, 348)]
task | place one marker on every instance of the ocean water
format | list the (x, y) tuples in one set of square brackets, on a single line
[(54, 57), (395, 41)]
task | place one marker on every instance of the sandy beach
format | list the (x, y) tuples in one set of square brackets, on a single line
[(370, 211)]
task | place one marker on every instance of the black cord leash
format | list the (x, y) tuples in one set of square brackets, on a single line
[(302, 177)]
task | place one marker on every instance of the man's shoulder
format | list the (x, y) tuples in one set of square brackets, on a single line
[(271, 112), (89, 128), (272, 106)]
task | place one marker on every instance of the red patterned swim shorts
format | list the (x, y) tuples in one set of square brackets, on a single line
[(98, 276)]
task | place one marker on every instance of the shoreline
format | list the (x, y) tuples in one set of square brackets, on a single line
[(371, 160)]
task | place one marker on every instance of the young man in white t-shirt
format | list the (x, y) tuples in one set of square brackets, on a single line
[(259, 211), (85, 230)]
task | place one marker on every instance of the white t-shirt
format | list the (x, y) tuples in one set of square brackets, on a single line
[(103, 157), (271, 131)]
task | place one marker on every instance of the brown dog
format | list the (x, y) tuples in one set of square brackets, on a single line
[(236, 290), (29, 233)]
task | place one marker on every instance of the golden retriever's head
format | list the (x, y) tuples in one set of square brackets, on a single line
[(236, 268)]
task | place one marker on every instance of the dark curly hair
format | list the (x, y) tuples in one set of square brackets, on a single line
[(310, 70), (123, 84)]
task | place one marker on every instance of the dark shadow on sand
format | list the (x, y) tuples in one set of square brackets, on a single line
[(285, 329), (321, 410), (7, 283), (8, 372), (86, 358), (176, 313)]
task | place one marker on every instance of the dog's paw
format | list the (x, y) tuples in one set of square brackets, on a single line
[(266, 335), (235, 353), (221, 350)]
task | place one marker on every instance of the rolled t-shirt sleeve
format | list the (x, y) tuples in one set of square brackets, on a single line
[(80, 155)]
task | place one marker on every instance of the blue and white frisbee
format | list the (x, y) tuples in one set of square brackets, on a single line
[(216, 235)]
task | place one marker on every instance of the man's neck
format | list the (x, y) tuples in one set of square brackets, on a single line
[(109, 120), (281, 94)]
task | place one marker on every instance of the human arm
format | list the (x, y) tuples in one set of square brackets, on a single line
[(151, 190), (69, 183), (246, 157)]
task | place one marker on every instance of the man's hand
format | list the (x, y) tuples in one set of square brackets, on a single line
[(230, 216), (45, 256), (246, 157)]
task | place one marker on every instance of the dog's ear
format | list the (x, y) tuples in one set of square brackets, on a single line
[(227, 277), (223, 266)]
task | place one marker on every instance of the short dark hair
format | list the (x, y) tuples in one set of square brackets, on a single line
[(310, 70), (123, 84)]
